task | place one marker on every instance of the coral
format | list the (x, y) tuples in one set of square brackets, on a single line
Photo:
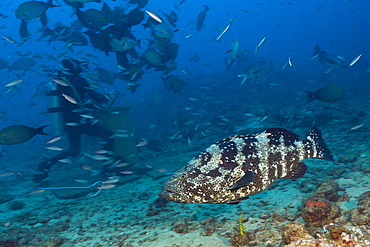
[(320, 208), (293, 232), (361, 214), (310, 243), (336, 232), (328, 190), (316, 204), (239, 240), (335, 235), (269, 237), (318, 211), (342, 236)]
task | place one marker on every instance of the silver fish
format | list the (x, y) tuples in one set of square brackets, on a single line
[(256, 70), (233, 52)]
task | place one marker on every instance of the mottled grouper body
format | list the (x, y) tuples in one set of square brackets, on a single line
[(239, 166)]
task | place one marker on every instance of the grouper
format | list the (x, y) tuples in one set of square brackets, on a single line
[(240, 166)]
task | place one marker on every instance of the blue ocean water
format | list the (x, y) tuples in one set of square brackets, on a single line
[(277, 41)]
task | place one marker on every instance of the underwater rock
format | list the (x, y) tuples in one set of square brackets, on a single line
[(209, 226), (340, 236), (361, 214), (264, 216), (318, 211), (293, 232), (336, 231), (5, 198), (364, 200), (181, 227), (346, 158), (69, 194), (310, 243), (289, 216), (61, 226), (156, 206), (9, 243), (16, 205), (328, 190), (236, 239), (54, 242), (278, 217), (269, 238), (208, 231)]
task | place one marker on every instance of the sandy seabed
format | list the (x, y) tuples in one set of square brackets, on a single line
[(132, 214)]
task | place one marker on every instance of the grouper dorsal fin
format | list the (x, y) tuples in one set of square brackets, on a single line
[(297, 171), (243, 181)]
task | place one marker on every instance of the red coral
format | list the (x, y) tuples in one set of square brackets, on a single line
[(316, 204)]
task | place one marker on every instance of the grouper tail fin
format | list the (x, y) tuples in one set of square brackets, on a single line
[(315, 145)]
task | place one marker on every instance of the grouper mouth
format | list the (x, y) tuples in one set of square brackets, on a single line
[(165, 194), (171, 195)]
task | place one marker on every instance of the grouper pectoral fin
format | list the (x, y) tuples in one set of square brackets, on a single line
[(297, 171), (243, 181)]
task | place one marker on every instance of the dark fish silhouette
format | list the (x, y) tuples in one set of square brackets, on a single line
[(155, 145), (17, 134), (23, 64), (3, 63), (334, 62), (33, 9), (23, 30), (237, 167), (201, 17), (329, 93), (174, 83)]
